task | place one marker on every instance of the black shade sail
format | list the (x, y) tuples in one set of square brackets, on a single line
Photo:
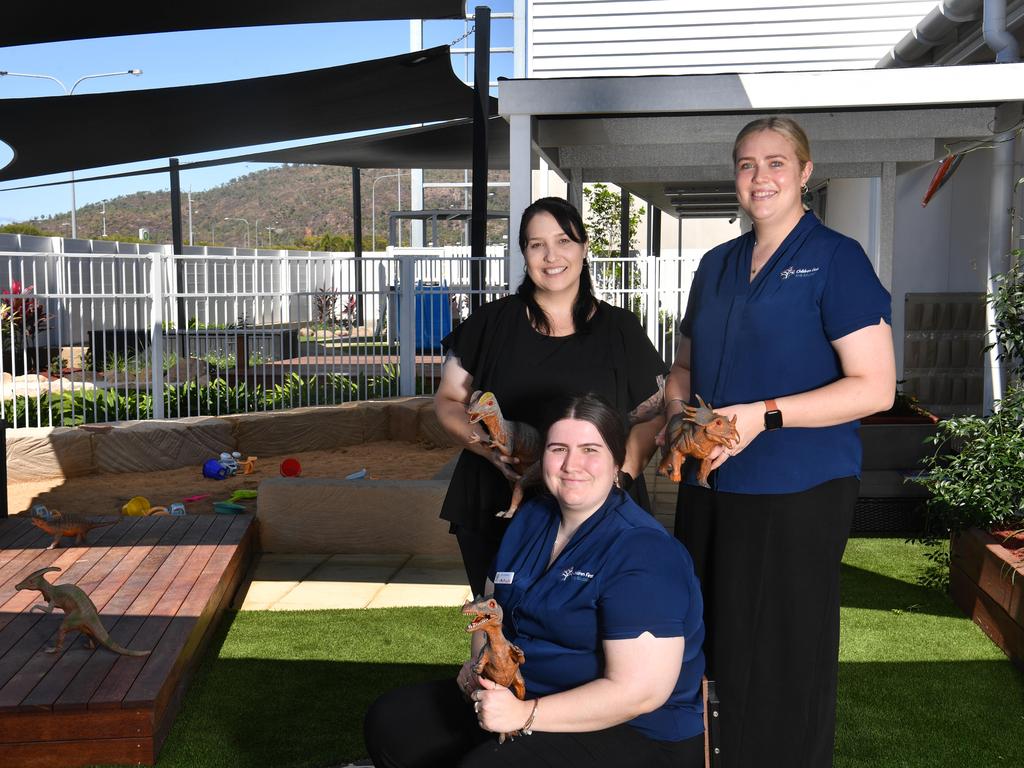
[(445, 145), (63, 133), (448, 145), (25, 23)]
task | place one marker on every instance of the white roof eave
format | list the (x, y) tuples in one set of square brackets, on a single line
[(761, 92)]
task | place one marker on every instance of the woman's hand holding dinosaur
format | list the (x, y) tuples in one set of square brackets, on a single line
[(497, 708)]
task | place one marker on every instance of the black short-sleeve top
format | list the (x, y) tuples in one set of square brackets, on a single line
[(498, 346)]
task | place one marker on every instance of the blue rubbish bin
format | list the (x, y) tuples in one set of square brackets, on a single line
[(433, 315)]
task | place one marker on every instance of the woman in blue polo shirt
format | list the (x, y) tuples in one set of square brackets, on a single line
[(787, 329), (607, 610)]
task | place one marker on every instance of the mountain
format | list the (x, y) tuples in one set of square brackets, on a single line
[(300, 203)]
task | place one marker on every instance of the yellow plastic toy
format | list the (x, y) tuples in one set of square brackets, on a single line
[(137, 506)]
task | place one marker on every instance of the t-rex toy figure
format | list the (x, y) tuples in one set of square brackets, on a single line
[(499, 659), (510, 438), (695, 432), (79, 612), (61, 524)]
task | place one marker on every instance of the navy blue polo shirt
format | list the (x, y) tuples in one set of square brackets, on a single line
[(619, 576), (771, 337)]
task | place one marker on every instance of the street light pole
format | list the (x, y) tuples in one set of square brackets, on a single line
[(104, 214), (373, 204), (68, 92), (238, 218)]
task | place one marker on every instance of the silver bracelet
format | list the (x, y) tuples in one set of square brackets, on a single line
[(527, 729)]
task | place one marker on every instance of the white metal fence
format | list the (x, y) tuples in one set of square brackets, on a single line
[(131, 332)]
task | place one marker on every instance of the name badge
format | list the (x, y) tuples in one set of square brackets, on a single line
[(504, 577)]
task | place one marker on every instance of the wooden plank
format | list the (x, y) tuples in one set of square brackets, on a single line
[(987, 614), (13, 613), (169, 701), (13, 532), (34, 663), (80, 690), (73, 754), (169, 645), (146, 579), (26, 727), (159, 677)]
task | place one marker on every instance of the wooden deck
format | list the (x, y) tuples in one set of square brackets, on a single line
[(160, 584)]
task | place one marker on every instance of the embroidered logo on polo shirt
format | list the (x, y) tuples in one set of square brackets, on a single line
[(789, 272), (576, 575)]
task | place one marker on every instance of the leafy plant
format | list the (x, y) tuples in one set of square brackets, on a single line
[(981, 483), (1007, 301), (21, 315)]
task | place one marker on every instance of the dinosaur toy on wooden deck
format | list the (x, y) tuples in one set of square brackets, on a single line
[(60, 524), (79, 612)]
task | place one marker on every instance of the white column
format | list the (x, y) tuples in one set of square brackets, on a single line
[(520, 191)]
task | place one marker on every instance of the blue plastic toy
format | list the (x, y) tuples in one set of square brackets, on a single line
[(214, 470)]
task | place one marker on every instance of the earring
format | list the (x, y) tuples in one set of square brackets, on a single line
[(618, 479), (804, 190)]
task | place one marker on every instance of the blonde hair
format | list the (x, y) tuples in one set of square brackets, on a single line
[(786, 126)]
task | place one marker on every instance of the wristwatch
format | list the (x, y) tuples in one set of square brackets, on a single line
[(772, 416)]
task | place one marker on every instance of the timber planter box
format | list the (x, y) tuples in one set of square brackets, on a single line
[(986, 580)]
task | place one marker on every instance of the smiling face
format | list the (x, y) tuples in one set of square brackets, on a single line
[(554, 260), (769, 177), (578, 466)]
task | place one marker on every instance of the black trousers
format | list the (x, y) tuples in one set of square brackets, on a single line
[(769, 572), (431, 724), (479, 548)]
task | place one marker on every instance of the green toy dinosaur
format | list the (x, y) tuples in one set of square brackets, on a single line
[(79, 612)]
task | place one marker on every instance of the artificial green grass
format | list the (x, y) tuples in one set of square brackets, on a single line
[(919, 685), (289, 689)]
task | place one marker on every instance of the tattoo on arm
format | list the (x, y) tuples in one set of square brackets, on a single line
[(650, 407)]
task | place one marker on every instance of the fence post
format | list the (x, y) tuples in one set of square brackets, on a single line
[(407, 325), (3, 466), (156, 341), (652, 300)]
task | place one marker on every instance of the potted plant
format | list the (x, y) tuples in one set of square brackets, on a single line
[(22, 319), (978, 488)]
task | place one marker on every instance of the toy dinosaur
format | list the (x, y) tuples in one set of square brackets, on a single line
[(510, 438), (499, 659), (79, 612), (695, 432), (60, 524)]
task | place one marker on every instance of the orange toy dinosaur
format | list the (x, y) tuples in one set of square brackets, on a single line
[(695, 432), (67, 525), (510, 438), (499, 659)]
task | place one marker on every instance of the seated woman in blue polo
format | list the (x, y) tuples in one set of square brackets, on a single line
[(605, 606)]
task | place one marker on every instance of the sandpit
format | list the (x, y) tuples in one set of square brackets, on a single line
[(104, 494)]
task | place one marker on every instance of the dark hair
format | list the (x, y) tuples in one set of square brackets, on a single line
[(569, 219), (596, 410)]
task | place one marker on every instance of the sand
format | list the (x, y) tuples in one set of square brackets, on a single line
[(104, 494)]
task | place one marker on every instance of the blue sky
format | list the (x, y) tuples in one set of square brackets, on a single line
[(187, 58)]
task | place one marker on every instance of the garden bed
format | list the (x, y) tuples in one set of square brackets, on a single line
[(986, 579)]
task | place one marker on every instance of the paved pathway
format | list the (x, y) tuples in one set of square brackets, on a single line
[(312, 582)]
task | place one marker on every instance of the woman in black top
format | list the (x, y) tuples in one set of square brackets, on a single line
[(553, 337)]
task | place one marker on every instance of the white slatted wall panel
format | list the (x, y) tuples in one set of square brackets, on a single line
[(578, 38)]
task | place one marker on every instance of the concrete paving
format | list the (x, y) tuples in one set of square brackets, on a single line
[(316, 582)]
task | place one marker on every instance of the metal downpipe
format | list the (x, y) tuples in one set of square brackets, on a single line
[(999, 39)]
